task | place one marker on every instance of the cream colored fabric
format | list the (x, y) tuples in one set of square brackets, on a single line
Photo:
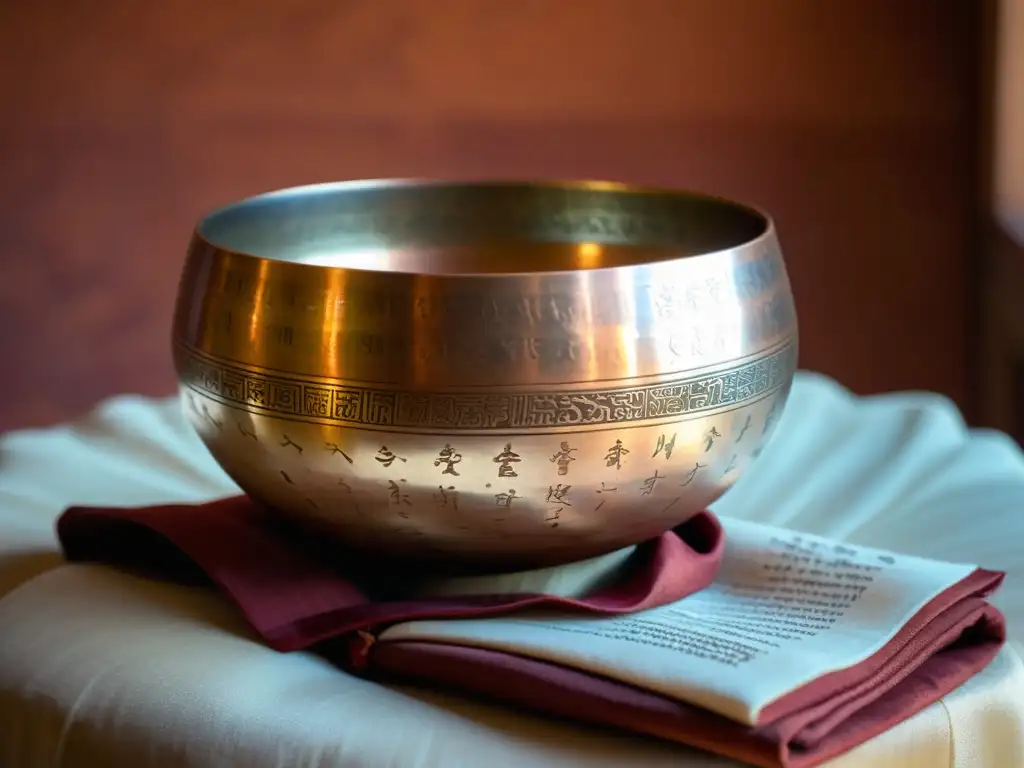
[(100, 668)]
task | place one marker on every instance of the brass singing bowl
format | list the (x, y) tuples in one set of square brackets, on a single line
[(499, 375)]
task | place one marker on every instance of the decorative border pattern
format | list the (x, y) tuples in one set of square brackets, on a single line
[(343, 404)]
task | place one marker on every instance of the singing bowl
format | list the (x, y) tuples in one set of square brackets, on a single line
[(502, 375)]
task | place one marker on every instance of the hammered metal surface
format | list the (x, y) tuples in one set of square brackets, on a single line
[(510, 373)]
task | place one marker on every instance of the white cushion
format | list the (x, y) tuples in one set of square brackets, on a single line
[(101, 668)]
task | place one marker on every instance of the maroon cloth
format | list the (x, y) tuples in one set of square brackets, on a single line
[(296, 597), (946, 643)]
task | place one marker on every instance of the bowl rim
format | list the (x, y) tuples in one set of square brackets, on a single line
[(767, 234)]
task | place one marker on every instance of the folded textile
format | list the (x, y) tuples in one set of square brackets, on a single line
[(295, 596), (771, 647)]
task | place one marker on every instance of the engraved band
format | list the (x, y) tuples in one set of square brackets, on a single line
[(340, 404)]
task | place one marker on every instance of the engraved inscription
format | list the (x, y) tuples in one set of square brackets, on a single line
[(709, 439), (672, 303), (615, 455), (505, 460), (448, 457), (731, 465), (233, 385), (470, 411), (558, 494), (255, 392), (581, 409), (284, 335), (335, 450), (398, 498), (344, 404), (601, 491), (209, 417), (769, 419), (563, 457), (397, 495), (505, 499), (445, 496), (288, 442), (650, 484), (283, 397), (317, 401), (386, 457), (692, 474), (744, 428), (665, 446), (245, 432), (557, 499)]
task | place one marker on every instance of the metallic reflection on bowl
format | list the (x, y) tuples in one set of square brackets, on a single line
[(495, 375)]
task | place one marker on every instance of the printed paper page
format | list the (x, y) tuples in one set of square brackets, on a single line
[(785, 609)]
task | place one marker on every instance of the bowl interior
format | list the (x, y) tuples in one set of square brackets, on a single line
[(446, 228)]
